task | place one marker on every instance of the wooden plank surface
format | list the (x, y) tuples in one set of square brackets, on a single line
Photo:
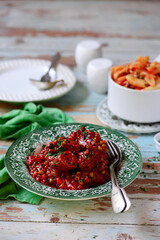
[(97, 211), (73, 231), (58, 231), (119, 27), (111, 17), (37, 29)]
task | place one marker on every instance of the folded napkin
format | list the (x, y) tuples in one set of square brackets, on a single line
[(8, 188), (15, 124)]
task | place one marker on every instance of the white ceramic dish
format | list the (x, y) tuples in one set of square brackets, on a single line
[(15, 85), (114, 122), (133, 105), (157, 141)]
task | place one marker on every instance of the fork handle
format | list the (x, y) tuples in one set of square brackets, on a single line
[(119, 198), (54, 61)]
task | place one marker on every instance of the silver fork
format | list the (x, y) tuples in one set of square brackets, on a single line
[(119, 198), (45, 82)]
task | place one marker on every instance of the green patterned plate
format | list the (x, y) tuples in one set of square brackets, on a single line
[(20, 150)]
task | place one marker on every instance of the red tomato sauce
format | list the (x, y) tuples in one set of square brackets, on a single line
[(79, 161)]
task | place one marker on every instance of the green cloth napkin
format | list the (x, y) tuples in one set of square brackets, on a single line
[(15, 124), (8, 188)]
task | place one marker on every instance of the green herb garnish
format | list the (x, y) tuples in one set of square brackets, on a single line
[(85, 135), (143, 189), (59, 142), (82, 180), (59, 152), (49, 154), (88, 155), (95, 236)]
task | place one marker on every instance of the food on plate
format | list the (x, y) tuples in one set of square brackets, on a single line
[(140, 74), (77, 162)]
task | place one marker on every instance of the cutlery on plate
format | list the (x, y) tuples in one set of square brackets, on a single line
[(46, 85), (119, 198), (46, 81)]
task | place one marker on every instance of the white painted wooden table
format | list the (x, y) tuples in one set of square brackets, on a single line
[(37, 29)]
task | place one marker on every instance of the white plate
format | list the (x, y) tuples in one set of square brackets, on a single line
[(106, 117), (16, 87)]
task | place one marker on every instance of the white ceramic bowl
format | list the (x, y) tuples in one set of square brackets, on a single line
[(133, 105), (157, 141)]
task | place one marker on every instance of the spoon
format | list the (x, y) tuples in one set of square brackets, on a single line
[(157, 59), (46, 81), (46, 85), (120, 200)]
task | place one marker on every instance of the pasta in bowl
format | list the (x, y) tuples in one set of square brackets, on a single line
[(140, 74), (130, 94)]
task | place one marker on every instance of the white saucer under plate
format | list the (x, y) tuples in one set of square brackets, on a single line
[(16, 87), (106, 117)]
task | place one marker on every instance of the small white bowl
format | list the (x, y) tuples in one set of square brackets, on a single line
[(85, 51), (97, 74), (157, 141), (133, 105)]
